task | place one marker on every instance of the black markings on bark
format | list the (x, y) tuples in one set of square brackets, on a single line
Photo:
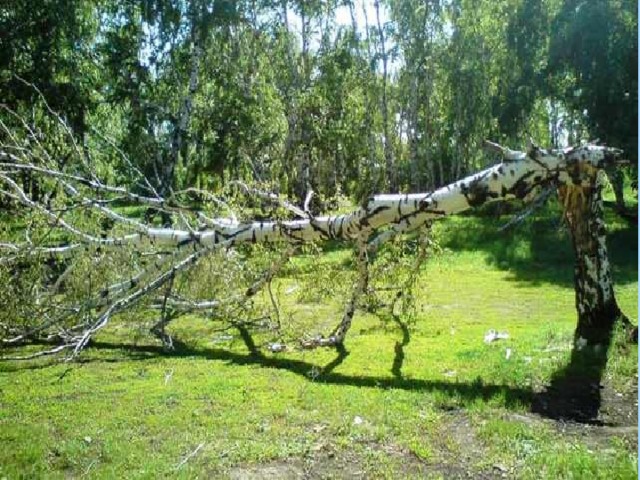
[(340, 227), (477, 194), (325, 233), (436, 212), (364, 221), (365, 205), (184, 242), (535, 159), (522, 188), (240, 231)]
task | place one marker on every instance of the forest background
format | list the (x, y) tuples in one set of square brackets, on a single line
[(346, 98)]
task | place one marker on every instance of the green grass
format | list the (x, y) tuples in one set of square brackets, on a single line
[(426, 398)]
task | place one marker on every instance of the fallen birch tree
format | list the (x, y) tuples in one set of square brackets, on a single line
[(83, 216)]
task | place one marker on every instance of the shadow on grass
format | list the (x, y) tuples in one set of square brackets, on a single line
[(539, 249), (573, 395), (398, 359), (465, 392), (254, 351), (575, 392)]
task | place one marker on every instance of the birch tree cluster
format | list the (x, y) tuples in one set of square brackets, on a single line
[(340, 97)]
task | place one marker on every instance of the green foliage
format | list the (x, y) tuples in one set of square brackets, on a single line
[(594, 67), (303, 108), (50, 44)]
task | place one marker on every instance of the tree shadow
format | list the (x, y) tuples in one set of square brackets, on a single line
[(575, 392), (342, 355), (255, 352), (398, 359), (464, 392), (539, 250)]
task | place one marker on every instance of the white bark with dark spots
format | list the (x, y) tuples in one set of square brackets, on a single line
[(381, 217), (595, 299)]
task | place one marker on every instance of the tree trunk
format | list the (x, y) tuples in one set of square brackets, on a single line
[(578, 171), (179, 147), (595, 299), (369, 96), (616, 178), (387, 147), (412, 135)]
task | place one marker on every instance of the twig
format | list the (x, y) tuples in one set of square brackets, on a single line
[(506, 153), (86, 472), (41, 353), (274, 303), (537, 203), (189, 456), (271, 197), (307, 201), (337, 337)]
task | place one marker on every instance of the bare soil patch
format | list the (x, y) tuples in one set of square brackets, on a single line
[(328, 463)]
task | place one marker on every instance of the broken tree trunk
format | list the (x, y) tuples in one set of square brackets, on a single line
[(162, 254), (595, 299)]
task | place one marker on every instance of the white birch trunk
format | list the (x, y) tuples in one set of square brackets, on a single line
[(595, 300), (516, 177), (380, 218)]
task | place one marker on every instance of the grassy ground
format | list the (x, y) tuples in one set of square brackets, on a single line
[(419, 397)]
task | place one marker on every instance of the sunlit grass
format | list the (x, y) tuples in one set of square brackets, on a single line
[(418, 402)]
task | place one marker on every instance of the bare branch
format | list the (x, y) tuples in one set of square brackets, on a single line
[(538, 202), (507, 154), (60, 121), (189, 456), (307, 201), (272, 197)]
